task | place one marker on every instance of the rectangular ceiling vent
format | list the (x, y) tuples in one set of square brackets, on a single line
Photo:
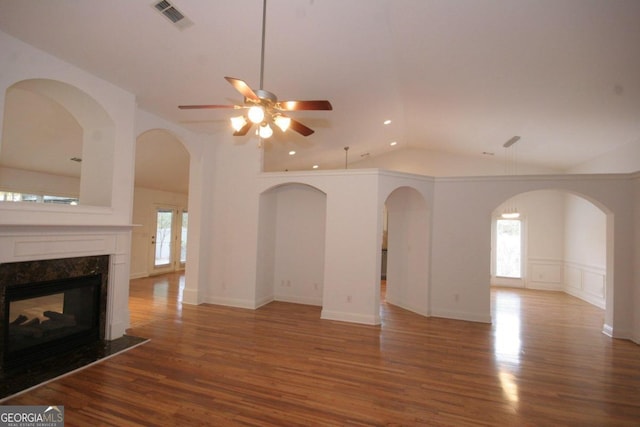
[(172, 14)]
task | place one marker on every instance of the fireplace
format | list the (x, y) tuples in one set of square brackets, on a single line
[(49, 308)]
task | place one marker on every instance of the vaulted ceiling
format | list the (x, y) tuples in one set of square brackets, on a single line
[(461, 76)]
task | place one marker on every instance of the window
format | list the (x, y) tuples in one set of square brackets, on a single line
[(183, 237), (509, 248), (36, 198)]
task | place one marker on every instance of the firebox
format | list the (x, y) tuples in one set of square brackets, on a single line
[(49, 308)]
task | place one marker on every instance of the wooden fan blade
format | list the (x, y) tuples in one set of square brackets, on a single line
[(304, 105), (243, 131), (300, 128), (243, 88), (193, 107), (511, 141)]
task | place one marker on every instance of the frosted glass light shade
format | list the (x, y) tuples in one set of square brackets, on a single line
[(282, 122), (265, 131), (238, 123), (510, 213), (256, 114)]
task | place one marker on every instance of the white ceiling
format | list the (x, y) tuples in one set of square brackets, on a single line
[(461, 76)]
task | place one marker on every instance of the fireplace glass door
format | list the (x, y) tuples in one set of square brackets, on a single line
[(44, 319)]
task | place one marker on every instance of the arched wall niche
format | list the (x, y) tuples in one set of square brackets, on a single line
[(83, 130), (291, 244), (408, 242)]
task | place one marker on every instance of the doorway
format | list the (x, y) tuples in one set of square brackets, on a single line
[(169, 242), (161, 197), (559, 243)]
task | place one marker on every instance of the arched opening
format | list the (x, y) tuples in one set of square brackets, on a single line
[(564, 245), (408, 241), (161, 193), (291, 242), (57, 144)]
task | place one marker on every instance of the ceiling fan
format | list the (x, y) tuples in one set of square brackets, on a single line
[(263, 107)]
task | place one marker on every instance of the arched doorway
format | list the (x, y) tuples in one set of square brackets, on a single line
[(563, 242), (160, 204), (408, 240), (291, 242)]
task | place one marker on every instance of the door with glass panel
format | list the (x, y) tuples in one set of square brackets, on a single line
[(169, 241), (509, 252)]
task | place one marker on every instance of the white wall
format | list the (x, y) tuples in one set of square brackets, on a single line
[(585, 250), (438, 163), (299, 251), (542, 214), (230, 213), (31, 182)]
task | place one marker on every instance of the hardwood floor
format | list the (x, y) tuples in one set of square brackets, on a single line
[(543, 362)]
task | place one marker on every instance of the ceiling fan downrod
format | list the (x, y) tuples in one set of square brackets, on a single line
[(264, 24)]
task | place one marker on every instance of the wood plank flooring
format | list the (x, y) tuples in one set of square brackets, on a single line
[(543, 362)]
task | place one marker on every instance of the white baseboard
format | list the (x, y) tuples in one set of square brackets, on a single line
[(350, 317), (418, 310), (191, 297), (299, 300), (607, 330), (233, 302), (263, 301), (462, 315)]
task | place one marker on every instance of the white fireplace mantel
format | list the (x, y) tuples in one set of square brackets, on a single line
[(31, 242), (21, 242)]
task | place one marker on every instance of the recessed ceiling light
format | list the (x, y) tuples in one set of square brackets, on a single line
[(386, 122), (316, 166), (392, 143), (291, 153)]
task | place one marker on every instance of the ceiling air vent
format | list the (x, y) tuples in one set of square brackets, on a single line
[(172, 14)]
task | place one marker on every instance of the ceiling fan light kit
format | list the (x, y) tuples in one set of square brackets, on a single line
[(238, 122), (263, 106)]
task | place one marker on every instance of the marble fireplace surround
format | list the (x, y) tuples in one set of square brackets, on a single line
[(54, 275), (47, 242)]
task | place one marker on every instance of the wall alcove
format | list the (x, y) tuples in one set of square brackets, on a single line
[(291, 242), (408, 222)]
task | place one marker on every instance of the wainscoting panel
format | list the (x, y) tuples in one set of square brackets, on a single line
[(545, 274), (586, 282)]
